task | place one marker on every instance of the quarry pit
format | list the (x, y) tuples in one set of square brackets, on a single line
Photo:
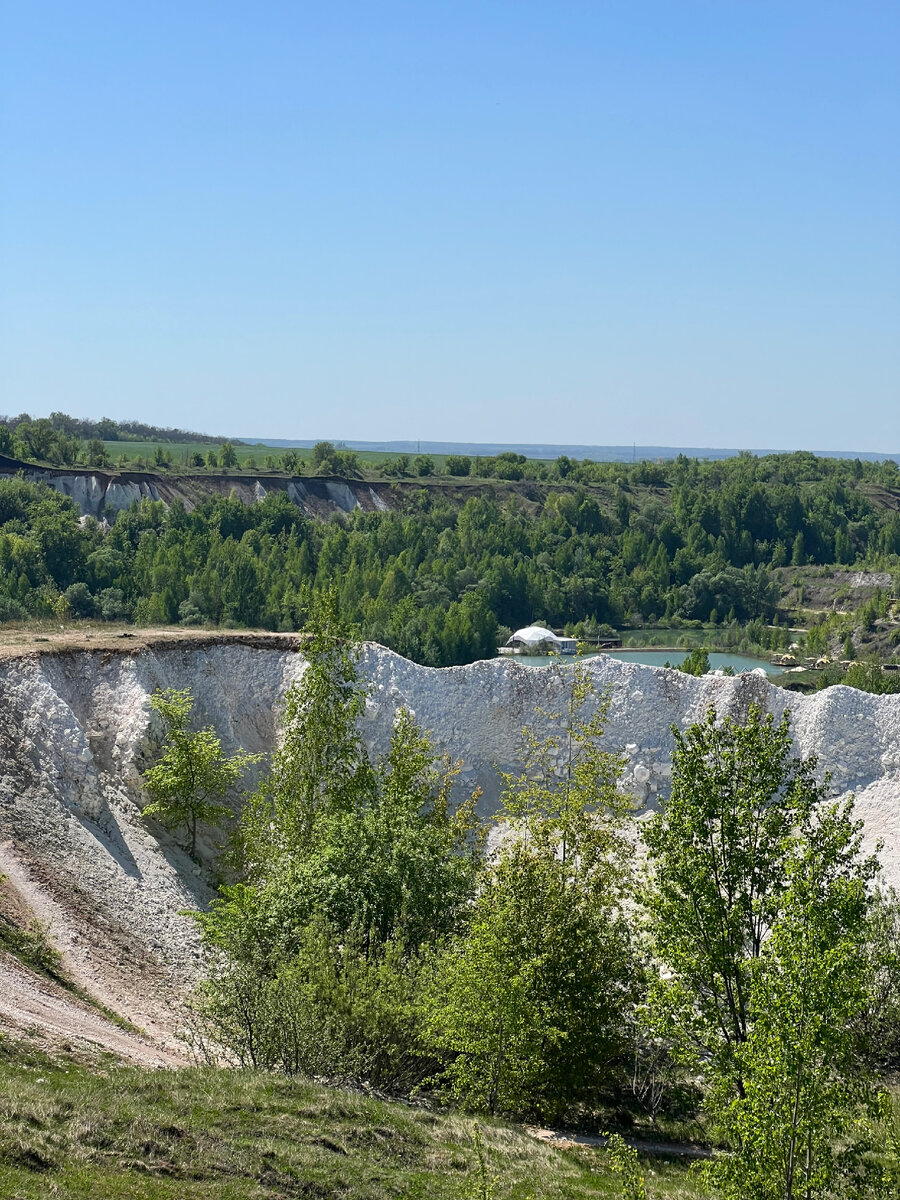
[(112, 889)]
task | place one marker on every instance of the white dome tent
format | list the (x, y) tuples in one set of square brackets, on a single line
[(535, 639)]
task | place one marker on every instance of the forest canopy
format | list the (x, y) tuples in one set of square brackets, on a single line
[(440, 578)]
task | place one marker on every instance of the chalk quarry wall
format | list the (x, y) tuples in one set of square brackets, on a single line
[(104, 494), (75, 732)]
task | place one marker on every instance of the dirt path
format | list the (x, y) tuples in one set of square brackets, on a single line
[(662, 1149), (103, 963), (28, 1002)]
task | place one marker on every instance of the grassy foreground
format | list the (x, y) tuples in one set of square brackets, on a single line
[(67, 1130)]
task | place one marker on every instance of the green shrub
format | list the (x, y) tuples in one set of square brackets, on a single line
[(31, 946)]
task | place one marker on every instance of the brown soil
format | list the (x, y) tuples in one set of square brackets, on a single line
[(29, 1002), (45, 638), (109, 970)]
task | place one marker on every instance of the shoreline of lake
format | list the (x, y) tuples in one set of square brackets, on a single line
[(656, 656)]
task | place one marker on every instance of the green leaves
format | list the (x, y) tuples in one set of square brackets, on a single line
[(800, 1127), (192, 775), (758, 908), (374, 848), (320, 767), (566, 795), (527, 1009), (624, 1161), (354, 871), (717, 854)]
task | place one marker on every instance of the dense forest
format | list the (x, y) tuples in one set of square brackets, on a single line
[(441, 580)]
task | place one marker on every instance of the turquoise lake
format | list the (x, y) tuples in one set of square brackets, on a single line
[(659, 658)]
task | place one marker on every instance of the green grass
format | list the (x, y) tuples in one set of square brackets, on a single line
[(180, 455), (32, 947), (67, 1130), (181, 452)]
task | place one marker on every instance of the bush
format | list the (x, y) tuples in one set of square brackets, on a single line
[(696, 663), (113, 606), (328, 1011), (81, 602), (11, 610), (189, 613)]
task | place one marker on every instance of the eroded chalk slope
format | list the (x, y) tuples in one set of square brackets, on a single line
[(76, 731)]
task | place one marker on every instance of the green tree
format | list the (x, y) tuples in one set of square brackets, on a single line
[(97, 454), (717, 855), (376, 848), (81, 602), (759, 910), (800, 1128), (321, 764), (623, 1159), (393, 864), (458, 464), (869, 677), (526, 1010), (323, 456), (352, 872), (192, 775), (696, 663), (566, 797), (228, 455), (37, 439)]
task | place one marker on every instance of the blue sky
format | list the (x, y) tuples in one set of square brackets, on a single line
[(666, 222)]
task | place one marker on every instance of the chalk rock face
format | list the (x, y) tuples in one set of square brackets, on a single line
[(86, 490), (104, 494), (76, 732), (120, 496), (341, 494)]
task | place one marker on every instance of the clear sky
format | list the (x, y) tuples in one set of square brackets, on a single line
[(663, 221)]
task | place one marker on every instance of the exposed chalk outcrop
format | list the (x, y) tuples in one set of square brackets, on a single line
[(104, 494), (76, 731)]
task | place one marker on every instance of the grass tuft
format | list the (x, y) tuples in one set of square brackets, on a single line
[(199, 1133)]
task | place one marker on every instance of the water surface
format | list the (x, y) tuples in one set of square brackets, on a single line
[(658, 658)]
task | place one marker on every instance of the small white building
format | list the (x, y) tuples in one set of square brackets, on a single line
[(535, 639)]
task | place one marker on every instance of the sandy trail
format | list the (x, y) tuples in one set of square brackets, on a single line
[(28, 1001), (111, 969), (643, 1146)]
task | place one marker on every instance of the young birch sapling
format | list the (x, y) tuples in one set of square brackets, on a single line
[(192, 775)]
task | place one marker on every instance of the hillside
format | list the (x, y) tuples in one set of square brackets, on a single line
[(75, 732), (125, 1134), (748, 555)]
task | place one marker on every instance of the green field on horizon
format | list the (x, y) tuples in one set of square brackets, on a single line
[(181, 452)]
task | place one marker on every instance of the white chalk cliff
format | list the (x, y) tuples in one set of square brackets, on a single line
[(76, 730)]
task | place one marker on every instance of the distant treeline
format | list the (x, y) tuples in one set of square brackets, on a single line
[(442, 582), (58, 438)]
